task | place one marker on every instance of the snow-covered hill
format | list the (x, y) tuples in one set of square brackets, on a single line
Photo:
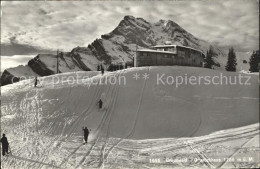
[(44, 124), (44, 65), (118, 46)]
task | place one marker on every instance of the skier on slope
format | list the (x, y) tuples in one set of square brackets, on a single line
[(102, 69), (86, 133), (4, 145), (100, 104), (36, 81)]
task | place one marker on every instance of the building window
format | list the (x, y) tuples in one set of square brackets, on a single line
[(181, 54), (188, 53), (172, 49), (167, 56)]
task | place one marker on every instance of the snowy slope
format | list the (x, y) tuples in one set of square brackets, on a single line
[(183, 111), (46, 121), (10, 75), (231, 148), (241, 58), (22, 71)]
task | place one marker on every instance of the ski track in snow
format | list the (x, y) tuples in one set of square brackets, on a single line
[(225, 162), (46, 151), (107, 113), (108, 128), (214, 139), (136, 117), (103, 121), (132, 130), (89, 110)]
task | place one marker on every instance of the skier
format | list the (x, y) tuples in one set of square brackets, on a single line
[(98, 68), (36, 81), (86, 133), (100, 104), (102, 69), (4, 145)]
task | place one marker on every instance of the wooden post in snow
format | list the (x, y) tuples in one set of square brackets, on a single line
[(135, 51), (57, 61)]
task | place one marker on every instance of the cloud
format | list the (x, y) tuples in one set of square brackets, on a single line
[(13, 61), (14, 48), (65, 25)]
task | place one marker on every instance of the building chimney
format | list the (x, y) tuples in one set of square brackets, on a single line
[(168, 42)]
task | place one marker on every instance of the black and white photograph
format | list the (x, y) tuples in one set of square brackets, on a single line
[(129, 84)]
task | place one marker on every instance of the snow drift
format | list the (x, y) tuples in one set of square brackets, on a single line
[(138, 109)]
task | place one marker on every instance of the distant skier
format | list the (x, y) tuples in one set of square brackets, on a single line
[(36, 81), (86, 133), (102, 70), (100, 104), (98, 67), (4, 145)]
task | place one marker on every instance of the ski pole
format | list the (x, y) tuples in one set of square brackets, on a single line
[(39, 83), (10, 148), (83, 134)]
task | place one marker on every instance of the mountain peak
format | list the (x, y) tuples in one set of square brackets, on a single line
[(129, 17)]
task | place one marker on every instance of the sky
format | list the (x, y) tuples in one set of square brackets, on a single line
[(32, 27)]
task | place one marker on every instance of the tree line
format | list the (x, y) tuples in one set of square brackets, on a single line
[(232, 61)]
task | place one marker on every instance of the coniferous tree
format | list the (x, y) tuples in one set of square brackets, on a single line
[(209, 60), (114, 67), (232, 61), (253, 62)]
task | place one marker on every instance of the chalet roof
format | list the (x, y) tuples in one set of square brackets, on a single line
[(155, 51), (162, 46)]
